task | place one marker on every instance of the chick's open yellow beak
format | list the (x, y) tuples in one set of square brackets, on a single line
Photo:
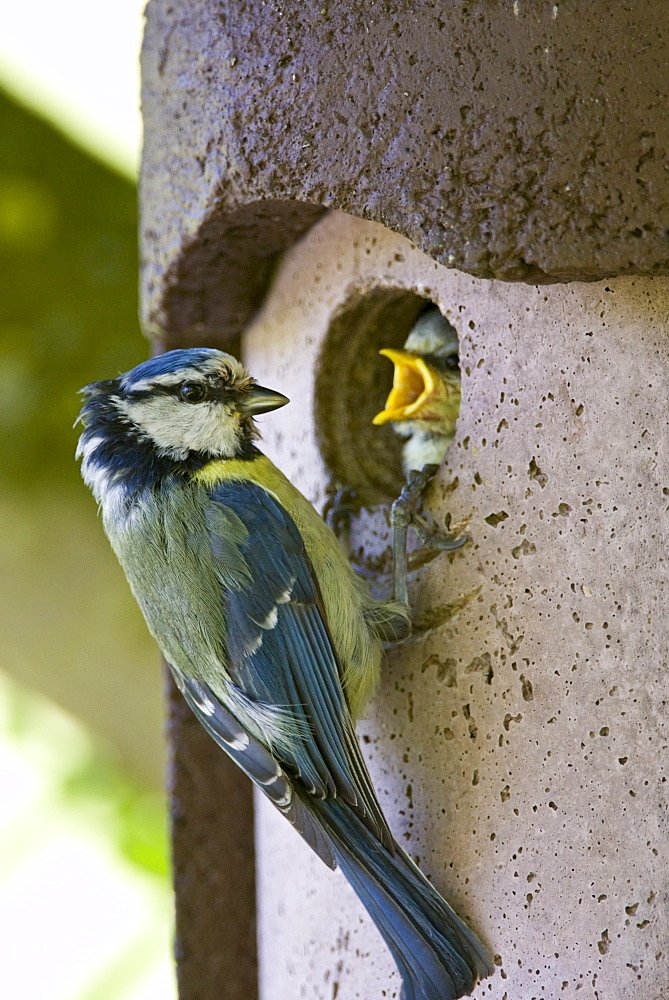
[(414, 386)]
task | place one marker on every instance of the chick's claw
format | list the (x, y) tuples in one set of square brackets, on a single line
[(433, 538)]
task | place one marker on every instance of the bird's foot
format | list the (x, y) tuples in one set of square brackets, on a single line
[(403, 514), (433, 538)]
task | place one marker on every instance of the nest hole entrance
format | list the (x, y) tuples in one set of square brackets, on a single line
[(352, 384)]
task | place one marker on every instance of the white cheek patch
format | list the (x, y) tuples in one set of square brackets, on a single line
[(177, 428)]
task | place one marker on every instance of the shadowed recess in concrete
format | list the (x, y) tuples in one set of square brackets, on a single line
[(219, 282)]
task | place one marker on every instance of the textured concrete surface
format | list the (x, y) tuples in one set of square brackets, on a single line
[(517, 745), (513, 140), (519, 739)]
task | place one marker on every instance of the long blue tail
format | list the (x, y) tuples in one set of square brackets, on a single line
[(437, 955)]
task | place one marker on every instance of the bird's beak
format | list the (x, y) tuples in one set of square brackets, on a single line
[(415, 386), (262, 400)]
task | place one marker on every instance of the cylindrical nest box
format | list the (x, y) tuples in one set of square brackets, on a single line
[(313, 176)]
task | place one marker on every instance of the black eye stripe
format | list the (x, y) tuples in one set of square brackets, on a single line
[(443, 362), (214, 391), (139, 395)]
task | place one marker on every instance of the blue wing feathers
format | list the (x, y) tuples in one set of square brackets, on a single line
[(314, 700), (438, 956), (279, 649), (256, 762), (310, 765), (280, 653)]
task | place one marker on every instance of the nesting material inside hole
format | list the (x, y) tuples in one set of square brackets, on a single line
[(352, 385)]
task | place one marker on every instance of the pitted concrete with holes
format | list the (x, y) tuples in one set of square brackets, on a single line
[(511, 140), (519, 738)]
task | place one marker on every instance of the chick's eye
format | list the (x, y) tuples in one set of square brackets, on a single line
[(192, 392), (452, 362)]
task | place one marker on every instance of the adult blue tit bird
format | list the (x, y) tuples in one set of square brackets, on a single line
[(424, 401), (271, 637)]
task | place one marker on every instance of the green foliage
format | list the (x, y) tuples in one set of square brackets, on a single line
[(83, 778), (135, 816), (68, 309)]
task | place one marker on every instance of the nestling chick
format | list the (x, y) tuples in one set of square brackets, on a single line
[(424, 401), (273, 640), (423, 407)]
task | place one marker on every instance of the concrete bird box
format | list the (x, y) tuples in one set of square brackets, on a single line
[(314, 174)]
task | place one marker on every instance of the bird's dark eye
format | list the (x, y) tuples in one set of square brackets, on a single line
[(192, 392), (452, 362)]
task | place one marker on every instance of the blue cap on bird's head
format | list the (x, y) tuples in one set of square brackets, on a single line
[(190, 359)]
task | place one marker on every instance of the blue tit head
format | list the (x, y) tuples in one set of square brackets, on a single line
[(172, 413)]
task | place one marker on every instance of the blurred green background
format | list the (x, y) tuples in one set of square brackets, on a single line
[(68, 316), (83, 860)]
